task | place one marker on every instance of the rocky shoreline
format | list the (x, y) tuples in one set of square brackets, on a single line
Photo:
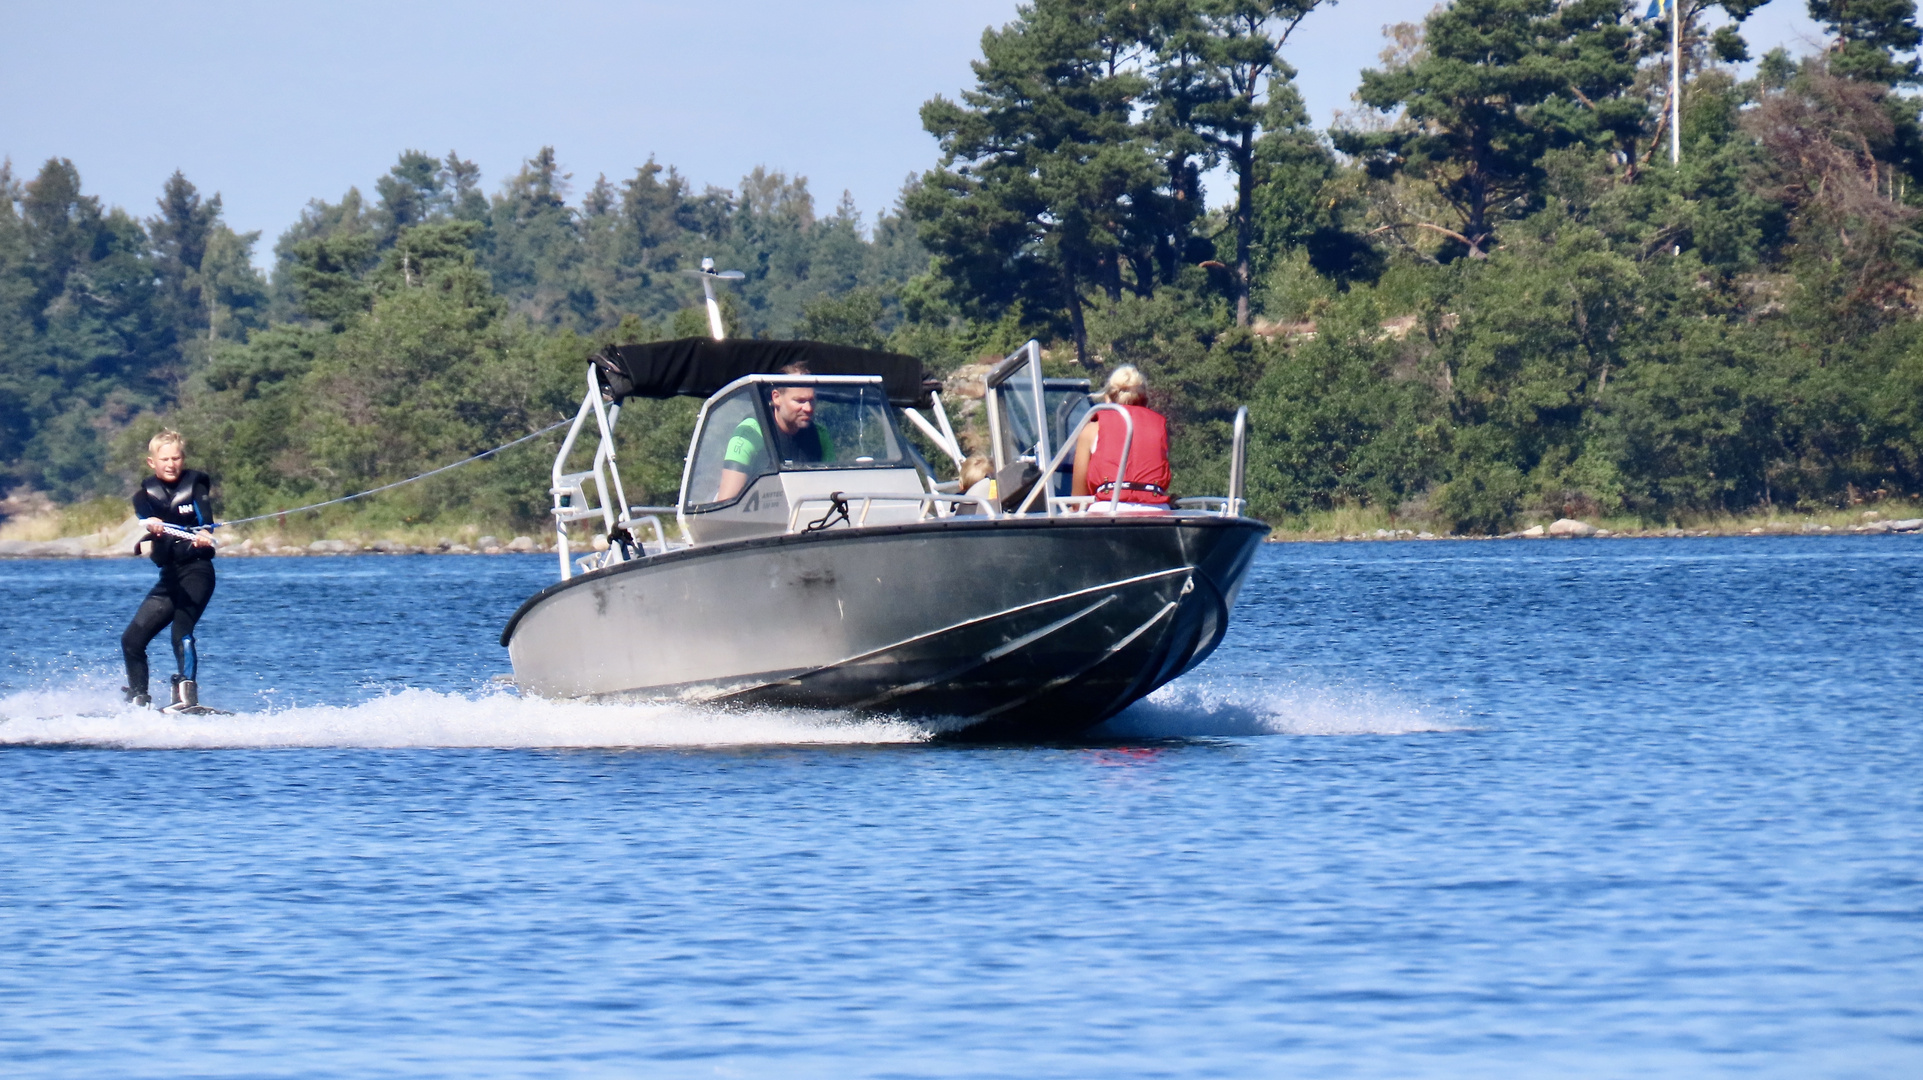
[(119, 542), (1571, 529)]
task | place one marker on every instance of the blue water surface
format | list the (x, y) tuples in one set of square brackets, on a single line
[(1591, 808)]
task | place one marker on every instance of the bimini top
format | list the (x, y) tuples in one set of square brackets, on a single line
[(698, 367)]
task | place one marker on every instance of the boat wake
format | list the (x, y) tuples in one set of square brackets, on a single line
[(424, 718), (90, 713), (1196, 708)]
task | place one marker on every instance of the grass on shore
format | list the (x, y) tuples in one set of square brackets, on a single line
[(371, 524), (101, 518), (1363, 523), (46, 521)]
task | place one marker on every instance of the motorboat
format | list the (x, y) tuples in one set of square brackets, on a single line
[(828, 568)]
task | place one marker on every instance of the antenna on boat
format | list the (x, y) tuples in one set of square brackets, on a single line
[(709, 275)]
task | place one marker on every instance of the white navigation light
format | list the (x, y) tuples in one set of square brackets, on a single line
[(709, 276)]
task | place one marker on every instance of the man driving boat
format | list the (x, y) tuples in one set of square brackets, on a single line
[(797, 439)]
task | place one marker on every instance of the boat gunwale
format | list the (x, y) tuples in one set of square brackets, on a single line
[(969, 523)]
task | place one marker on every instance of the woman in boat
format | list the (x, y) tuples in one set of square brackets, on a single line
[(1098, 452)]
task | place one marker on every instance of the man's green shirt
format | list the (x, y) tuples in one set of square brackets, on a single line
[(808, 446)]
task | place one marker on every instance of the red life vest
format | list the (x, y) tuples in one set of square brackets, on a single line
[(1148, 471)]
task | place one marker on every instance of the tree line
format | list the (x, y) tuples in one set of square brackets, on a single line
[(1484, 293)]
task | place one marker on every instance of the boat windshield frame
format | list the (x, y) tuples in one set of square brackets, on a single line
[(908, 459), (1029, 356)]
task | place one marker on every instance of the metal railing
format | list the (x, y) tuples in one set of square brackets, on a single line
[(573, 500), (651, 515), (570, 490), (1238, 464), (1230, 505), (1068, 447)]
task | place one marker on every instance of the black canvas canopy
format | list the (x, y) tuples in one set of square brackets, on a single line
[(697, 367)]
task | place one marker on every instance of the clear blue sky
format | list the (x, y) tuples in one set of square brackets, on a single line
[(272, 104)]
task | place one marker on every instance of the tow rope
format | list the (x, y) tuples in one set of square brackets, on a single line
[(395, 484)]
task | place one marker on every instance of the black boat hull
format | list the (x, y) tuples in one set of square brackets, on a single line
[(1007, 629)]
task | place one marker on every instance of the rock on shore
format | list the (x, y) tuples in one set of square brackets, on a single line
[(118, 542), (68, 548), (1905, 525), (1571, 527), (107, 543)]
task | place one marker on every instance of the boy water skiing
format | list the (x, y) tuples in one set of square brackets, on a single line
[(173, 505)]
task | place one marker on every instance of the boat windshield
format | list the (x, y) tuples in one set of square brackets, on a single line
[(851, 429), (1064, 401), (1067, 401), (813, 426), (731, 452)]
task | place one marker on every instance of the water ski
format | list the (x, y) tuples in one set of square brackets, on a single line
[(187, 701), (195, 710)]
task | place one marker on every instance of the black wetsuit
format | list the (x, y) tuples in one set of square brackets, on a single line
[(186, 575)]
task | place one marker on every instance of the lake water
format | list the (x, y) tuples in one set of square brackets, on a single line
[(1594, 808)]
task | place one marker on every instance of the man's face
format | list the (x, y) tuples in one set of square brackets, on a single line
[(166, 462), (794, 407)]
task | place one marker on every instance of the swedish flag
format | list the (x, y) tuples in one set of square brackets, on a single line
[(1658, 8)]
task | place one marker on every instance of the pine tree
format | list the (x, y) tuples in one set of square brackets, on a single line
[(1046, 174), (180, 234), (84, 345), (412, 192), (1497, 85), (461, 180), (1222, 80), (1869, 35), (535, 256), (320, 220), (17, 335)]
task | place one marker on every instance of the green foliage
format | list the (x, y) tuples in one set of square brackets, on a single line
[(1049, 187), (1482, 499), (1348, 418), (396, 336), (1736, 333), (853, 319), (1303, 201), (326, 277), (85, 336), (433, 371), (1223, 91), (1869, 36), (412, 192), (1498, 85)]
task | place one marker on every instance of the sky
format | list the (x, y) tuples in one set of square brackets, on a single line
[(274, 104)]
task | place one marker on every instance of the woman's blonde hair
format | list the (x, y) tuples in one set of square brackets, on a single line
[(1126, 386), (167, 436)]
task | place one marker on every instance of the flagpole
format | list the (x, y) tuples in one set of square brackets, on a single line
[(1675, 82)]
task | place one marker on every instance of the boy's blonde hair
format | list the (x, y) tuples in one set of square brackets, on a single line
[(166, 436), (974, 471), (1126, 386)]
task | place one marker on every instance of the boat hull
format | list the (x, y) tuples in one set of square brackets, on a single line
[(1013, 628)]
